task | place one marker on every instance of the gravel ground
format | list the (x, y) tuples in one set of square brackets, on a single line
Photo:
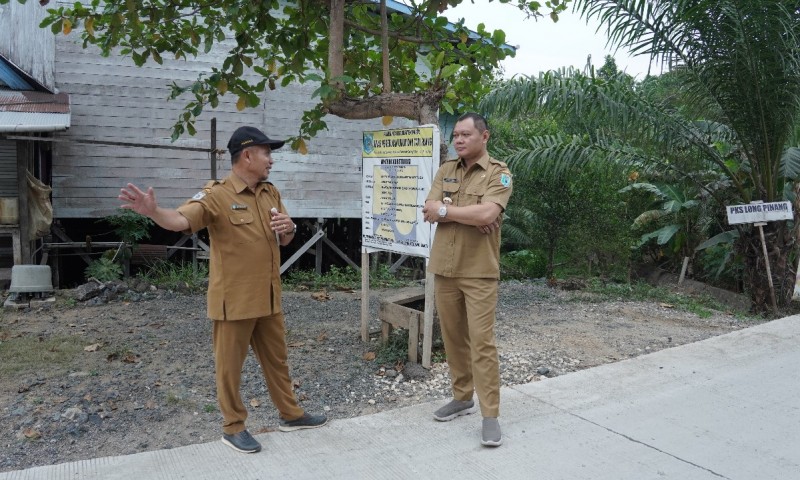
[(96, 378)]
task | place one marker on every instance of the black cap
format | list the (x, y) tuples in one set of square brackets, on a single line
[(245, 137)]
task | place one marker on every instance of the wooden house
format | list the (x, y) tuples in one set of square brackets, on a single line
[(30, 114), (121, 124)]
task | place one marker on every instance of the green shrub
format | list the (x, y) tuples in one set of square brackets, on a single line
[(342, 278), (171, 275), (129, 225), (103, 269), (521, 264), (395, 350)]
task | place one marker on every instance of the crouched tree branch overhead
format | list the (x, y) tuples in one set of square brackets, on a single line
[(365, 64)]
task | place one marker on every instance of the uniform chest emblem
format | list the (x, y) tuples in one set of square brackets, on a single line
[(199, 195)]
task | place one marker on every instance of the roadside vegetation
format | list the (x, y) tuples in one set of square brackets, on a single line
[(613, 172)]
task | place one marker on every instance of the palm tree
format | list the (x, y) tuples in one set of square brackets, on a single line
[(738, 65)]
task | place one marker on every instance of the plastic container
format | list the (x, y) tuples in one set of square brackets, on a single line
[(31, 279)]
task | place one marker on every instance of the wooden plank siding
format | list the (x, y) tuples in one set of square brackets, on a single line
[(113, 100), (29, 47)]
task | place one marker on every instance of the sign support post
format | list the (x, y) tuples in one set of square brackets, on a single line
[(397, 172), (760, 226), (759, 213)]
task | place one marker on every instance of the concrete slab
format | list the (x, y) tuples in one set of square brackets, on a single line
[(724, 408)]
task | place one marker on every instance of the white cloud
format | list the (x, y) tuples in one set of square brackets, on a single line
[(545, 45)]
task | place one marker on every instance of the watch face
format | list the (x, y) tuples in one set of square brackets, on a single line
[(442, 211)]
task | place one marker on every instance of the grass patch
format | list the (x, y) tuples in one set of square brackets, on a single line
[(701, 305), (172, 276), (342, 278), (395, 350), (28, 354)]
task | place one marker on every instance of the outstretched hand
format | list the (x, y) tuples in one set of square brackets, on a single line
[(138, 201)]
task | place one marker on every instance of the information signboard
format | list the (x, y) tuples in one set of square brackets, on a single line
[(398, 170), (759, 212)]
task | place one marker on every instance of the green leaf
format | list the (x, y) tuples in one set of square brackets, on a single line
[(665, 234), (449, 70), (725, 237)]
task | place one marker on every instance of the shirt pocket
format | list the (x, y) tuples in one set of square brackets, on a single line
[(450, 190), (243, 228), (473, 194)]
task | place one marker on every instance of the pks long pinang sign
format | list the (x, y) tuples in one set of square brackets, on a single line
[(759, 212)]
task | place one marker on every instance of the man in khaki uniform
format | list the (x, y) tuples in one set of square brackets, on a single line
[(247, 224), (467, 200)]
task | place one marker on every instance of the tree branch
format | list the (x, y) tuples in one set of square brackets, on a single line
[(421, 107)]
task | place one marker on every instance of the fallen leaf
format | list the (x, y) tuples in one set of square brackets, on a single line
[(130, 358), (32, 433), (150, 405), (93, 347), (302, 397), (369, 356), (296, 344), (667, 305), (295, 383), (88, 397), (255, 403), (322, 337), (265, 430), (321, 296)]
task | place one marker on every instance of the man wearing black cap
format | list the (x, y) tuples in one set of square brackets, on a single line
[(247, 224)]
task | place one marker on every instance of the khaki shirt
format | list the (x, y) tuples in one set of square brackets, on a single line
[(244, 268), (462, 250)]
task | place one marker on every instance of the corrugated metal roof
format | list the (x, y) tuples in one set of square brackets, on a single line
[(33, 122), (33, 102), (29, 111)]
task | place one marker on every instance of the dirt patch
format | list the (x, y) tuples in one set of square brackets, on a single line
[(137, 374)]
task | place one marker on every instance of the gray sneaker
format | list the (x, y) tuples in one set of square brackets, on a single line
[(306, 421), (454, 409), (491, 436), (242, 442)]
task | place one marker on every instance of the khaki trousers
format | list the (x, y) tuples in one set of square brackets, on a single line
[(267, 337), (466, 308)]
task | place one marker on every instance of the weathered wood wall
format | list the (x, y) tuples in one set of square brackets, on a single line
[(24, 43), (113, 100)]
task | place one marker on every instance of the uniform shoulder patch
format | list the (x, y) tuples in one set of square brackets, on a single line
[(206, 190), (505, 179)]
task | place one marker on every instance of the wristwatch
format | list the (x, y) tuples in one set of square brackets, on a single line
[(294, 228), (443, 211)]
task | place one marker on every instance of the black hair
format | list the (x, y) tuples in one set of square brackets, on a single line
[(480, 122)]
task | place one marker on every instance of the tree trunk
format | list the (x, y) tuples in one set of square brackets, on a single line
[(779, 245)]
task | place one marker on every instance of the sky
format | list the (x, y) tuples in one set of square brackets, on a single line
[(545, 45)]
